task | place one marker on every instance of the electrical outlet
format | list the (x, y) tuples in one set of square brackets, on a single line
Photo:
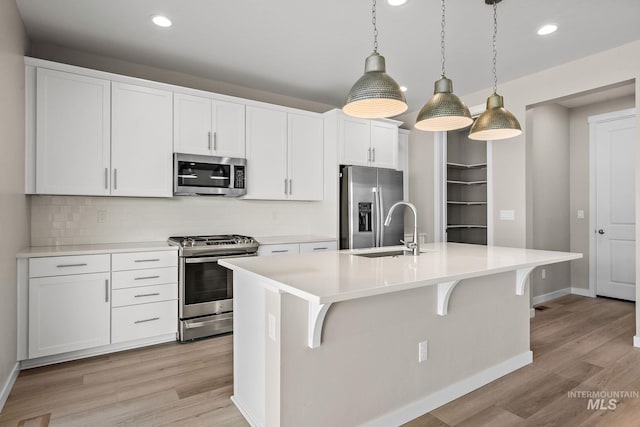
[(580, 214), (102, 217), (423, 351), (544, 273)]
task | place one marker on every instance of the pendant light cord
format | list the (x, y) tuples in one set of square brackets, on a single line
[(375, 27), (442, 22), (495, 49)]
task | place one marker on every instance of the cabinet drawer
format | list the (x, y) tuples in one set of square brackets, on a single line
[(140, 260), (330, 245), (144, 294), (143, 321), (146, 277), (65, 265), (289, 248)]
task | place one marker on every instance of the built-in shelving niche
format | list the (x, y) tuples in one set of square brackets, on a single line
[(466, 189)]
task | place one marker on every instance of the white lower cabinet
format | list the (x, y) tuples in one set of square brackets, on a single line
[(68, 313), (297, 248), (79, 302), (145, 320)]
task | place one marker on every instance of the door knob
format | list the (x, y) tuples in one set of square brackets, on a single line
[(601, 231)]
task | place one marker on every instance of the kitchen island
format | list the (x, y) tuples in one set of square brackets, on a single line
[(350, 338)]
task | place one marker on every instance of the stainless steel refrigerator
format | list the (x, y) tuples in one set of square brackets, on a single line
[(366, 194)]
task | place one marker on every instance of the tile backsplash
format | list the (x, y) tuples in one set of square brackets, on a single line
[(62, 220)]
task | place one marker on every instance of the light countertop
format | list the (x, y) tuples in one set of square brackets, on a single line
[(341, 275), (62, 250), (282, 240)]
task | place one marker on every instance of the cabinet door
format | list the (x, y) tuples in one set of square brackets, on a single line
[(266, 153), (305, 157), (384, 145), (191, 124), (355, 139), (141, 145), (281, 249), (228, 129), (329, 245), (68, 313), (72, 134)]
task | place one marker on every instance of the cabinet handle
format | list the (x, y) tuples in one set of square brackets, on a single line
[(115, 179), (285, 186), (374, 155), (106, 290), (147, 320), (209, 140), (106, 178), (147, 260), (147, 295), (215, 141), (280, 251), (320, 249), (71, 265), (146, 277), (290, 186), (369, 154)]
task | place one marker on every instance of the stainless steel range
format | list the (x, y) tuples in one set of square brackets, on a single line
[(206, 288)]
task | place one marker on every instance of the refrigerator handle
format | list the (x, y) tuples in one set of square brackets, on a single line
[(376, 219), (381, 218)]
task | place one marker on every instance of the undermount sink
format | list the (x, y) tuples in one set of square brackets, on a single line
[(385, 254)]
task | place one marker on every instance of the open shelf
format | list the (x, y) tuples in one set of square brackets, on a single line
[(466, 203), (466, 182), (463, 166), (454, 226)]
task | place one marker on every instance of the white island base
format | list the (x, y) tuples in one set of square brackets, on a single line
[(366, 368)]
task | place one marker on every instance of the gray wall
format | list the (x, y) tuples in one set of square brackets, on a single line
[(13, 204), (548, 166), (579, 182)]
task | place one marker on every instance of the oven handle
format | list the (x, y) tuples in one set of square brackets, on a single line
[(201, 260), (219, 317)]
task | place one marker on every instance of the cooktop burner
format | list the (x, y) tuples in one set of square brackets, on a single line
[(221, 244)]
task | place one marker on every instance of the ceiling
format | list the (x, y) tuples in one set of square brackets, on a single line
[(316, 51)]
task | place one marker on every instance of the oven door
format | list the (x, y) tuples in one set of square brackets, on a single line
[(205, 286)]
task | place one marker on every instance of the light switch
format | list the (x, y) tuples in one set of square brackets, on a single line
[(507, 215), (580, 214)]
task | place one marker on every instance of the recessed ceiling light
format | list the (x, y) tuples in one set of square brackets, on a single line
[(547, 29), (161, 21), (403, 88), (396, 2)]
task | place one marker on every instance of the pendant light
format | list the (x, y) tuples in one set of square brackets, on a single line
[(496, 122), (444, 111), (375, 94)]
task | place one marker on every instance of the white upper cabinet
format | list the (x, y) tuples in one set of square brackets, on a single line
[(366, 142), (284, 155), (305, 157), (266, 153), (208, 126), (72, 134), (141, 145)]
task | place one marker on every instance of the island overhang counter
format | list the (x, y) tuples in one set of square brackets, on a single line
[(339, 338)]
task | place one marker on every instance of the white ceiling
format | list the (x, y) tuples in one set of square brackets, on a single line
[(316, 51)]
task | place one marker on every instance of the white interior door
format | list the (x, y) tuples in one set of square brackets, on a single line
[(615, 148)]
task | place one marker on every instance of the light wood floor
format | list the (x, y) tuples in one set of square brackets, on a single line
[(578, 343)]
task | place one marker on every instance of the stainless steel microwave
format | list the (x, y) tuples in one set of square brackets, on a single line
[(209, 175)]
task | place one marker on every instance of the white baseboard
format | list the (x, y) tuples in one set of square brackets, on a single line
[(8, 385), (551, 295), (97, 351), (583, 292), (636, 341), (245, 412), (452, 392)]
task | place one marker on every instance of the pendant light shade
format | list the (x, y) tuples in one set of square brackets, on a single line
[(444, 111), (375, 94), (496, 122)]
